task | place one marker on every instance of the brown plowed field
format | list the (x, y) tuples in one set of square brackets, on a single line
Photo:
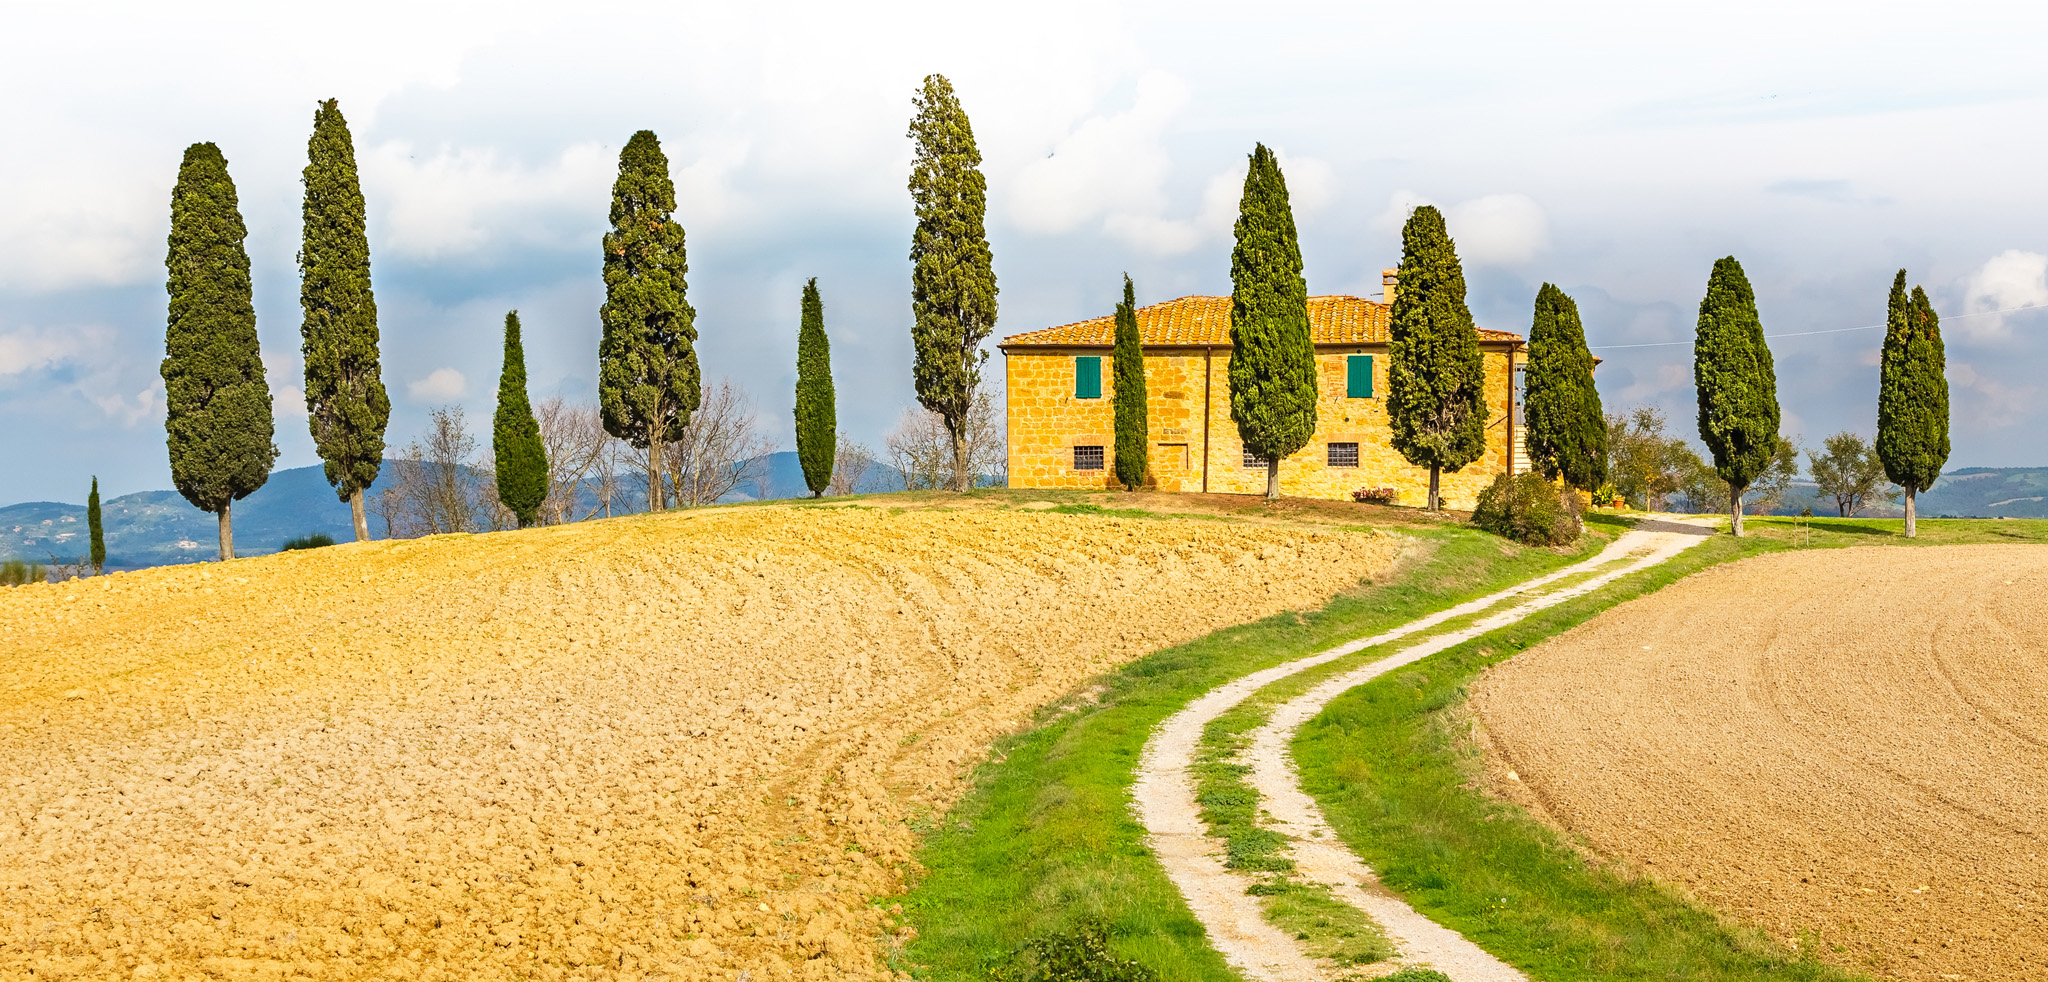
[(1848, 748), (676, 747)]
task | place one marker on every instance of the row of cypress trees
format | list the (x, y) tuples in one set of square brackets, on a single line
[(649, 380), (220, 430), (1737, 387), (1436, 400), (218, 425)]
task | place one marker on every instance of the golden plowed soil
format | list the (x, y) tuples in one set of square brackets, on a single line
[(671, 747), (1847, 747)]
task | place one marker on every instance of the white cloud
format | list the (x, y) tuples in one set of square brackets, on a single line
[(1113, 169), (2012, 278), (1990, 402), (1400, 205), (1172, 236), (288, 402), (705, 193), (84, 228), (30, 349), (130, 410), (457, 201), (440, 385), (280, 365), (1109, 164), (1493, 230), (1311, 185), (1499, 229)]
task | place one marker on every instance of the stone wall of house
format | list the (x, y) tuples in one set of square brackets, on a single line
[(1046, 423)]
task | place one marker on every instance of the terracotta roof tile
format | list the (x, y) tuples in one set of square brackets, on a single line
[(1197, 321)]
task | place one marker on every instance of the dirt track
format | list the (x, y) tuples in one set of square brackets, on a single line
[(677, 747), (1848, 748)]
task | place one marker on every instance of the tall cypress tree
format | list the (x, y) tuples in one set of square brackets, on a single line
[(1567, 429), (648, 381), (952, 272), (1436, 398), (1912, 396), (1133, 440), (515, 435), (217, 419), (817, 410), (1736, 382), (1272, 358), (346, 406), (95, 530)]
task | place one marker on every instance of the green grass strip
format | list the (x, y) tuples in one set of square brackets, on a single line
[(1047, 838), (1395, 772), (1393, 767), (1326, 926)]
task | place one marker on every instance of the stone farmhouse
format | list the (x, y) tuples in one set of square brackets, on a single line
[(1062, 425)]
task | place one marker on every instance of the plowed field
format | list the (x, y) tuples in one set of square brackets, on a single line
[(1848, 748), (680, 747)]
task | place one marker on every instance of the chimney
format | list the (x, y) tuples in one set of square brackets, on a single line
[(1389, 279)]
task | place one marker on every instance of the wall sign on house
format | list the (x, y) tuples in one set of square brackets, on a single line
[(1058, 397)]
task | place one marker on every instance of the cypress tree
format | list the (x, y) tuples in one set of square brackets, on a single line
[(1133, 440), (952, 273), (1912, 396), (1736, 382), (515, 435), (817, 412), (648, 380), (346, 406), (1272, 359), (217, 419), (1436, 399), (94, 529), (1567, 429)]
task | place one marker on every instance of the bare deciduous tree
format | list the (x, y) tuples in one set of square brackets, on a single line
[(850, 465), (574, 438), (922, 449), (438, 485), (988, 450), (617, 458), (720, 451)]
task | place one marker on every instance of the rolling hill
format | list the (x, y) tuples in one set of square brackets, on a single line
[(156, 528), (1968, 492)]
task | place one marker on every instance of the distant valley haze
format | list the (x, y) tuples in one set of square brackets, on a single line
[(1616, 150)]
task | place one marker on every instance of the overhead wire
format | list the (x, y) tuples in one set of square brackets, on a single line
[(1835, 330)]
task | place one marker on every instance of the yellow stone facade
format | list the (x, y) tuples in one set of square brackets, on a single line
[(1195, 445)]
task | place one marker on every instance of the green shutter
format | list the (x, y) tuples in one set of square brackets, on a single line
[(1358, 377), (1088, 377)]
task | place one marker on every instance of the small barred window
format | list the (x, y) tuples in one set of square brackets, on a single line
[(1252, 460), (1343, 455), (1087, 458)]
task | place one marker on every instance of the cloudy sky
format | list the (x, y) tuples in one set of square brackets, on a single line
[(1614, 149)]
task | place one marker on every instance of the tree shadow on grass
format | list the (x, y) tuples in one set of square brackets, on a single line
[(1857, 528)]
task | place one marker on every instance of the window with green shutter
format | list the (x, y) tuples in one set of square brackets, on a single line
[(1358, 377), (1088, 377)]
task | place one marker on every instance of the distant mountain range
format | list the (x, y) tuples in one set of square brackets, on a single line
[(155, 528), (1970, 492)]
